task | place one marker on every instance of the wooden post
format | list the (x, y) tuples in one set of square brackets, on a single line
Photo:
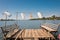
[(49, 38), (36, 39)]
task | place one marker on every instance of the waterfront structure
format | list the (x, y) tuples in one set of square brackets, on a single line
[(44, 33), (30, 34), (52, 28)]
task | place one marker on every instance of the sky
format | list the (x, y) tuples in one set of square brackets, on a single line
[(45, 7)]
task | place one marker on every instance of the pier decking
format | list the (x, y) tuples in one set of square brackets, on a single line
[(50, 27), (31, 34)]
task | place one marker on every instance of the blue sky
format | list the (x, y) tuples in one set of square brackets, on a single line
[(46, 7)]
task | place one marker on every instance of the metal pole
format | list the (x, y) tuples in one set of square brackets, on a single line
[(5, 27), (17, 18), (5, 22)]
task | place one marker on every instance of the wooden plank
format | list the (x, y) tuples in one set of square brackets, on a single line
[(16, 35), (36, 33), (47, 28), (28, 34), (33, 33), (48, 34), (40, 33), (19, 34), (36, 39), (45, 33), (23, 34), (11, 33), (51, 35)]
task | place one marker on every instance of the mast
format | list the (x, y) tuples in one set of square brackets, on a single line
[(16, 19), (16, 15)]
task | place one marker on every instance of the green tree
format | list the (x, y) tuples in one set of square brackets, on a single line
[(53, 17)]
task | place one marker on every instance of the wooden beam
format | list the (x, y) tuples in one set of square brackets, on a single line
[(11, 33), (19, 34)]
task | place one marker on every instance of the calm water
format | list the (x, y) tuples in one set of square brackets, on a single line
[(28, 24)]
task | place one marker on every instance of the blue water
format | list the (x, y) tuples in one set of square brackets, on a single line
[(28, 24)]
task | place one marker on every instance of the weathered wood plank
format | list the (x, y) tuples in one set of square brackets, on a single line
[(36, 33), (47, 28), (29, 34), (16, 35), (23, 34), (26, 33), (40, 33), (19, 34), (33, 34), (11, 33)]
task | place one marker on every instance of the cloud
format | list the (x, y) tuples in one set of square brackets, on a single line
[(7, 13), (39, 15), (22, 16)]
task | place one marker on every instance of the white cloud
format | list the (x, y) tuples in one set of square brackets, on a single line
[(7, 13), (39, 15), (22, 16)]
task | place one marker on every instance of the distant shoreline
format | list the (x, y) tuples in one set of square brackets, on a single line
[(44, 19), (48, 18), (7, 20)]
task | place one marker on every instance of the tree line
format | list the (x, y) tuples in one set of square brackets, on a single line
[(48, 18)]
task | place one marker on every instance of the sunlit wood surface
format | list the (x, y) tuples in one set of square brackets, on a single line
[(28, 34)]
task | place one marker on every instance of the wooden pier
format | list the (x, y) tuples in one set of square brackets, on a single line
[(30, 34), (50, 27)]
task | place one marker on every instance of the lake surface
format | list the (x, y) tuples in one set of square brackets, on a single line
[(27, 24)]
